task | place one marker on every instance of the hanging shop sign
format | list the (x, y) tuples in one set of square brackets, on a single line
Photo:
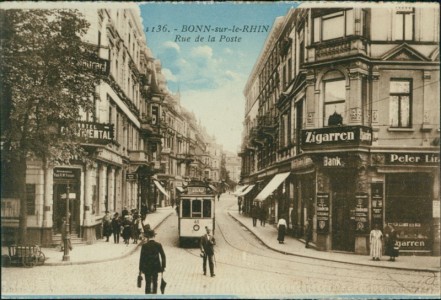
[(131, 176), (322, 212), (361, 213), (377, 202), (413, 158), (342, 135)]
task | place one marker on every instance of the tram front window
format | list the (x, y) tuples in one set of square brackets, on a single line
[(186, 208), (196, 208), (207, 209)]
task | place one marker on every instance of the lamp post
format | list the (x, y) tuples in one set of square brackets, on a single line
[(66, 256)]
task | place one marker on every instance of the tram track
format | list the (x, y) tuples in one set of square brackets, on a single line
[(324, 270)]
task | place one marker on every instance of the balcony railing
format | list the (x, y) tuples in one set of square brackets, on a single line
[(339, 47), (138, 156)]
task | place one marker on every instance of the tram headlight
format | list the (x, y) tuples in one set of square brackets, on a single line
[(196, 227)]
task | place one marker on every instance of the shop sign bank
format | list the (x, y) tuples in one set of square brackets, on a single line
[(345, 135)]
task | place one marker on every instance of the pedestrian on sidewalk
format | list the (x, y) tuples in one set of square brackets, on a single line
[(254, 214), (136, 228), (308, 232), (151, 262), (391, 238), (116, 227), (107, 226), (239, 203), (263, 215), (207, 243), (127, 229), (64, 232), (281, 226), (376, 243)]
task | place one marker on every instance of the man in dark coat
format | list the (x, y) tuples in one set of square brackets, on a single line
[(207, 242), (149, 262)]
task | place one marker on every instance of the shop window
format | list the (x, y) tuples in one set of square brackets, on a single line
[(207, 209), (333, 26), (404, 23), (400, 103), (334, 102), (30, 199)]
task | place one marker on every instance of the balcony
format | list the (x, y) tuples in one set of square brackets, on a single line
[(138, 156), (341, 47), (267, 126), (185, 158)]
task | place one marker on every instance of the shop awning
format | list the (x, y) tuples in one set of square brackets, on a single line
[(161, 188), (272, 186), (245, 191), (180, 189), (240, 189)]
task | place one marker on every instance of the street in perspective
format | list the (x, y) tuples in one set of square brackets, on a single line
[(220, 150), (245, 266)]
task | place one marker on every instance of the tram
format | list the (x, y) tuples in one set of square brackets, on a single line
[(196, 210)]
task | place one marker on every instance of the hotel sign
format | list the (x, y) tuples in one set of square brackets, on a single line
[(99, 65), (345, 135), (94, 130)]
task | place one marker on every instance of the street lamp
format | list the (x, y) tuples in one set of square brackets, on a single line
[(66, 256)]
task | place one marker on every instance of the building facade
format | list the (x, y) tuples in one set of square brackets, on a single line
[(139, 144), (342, 125)]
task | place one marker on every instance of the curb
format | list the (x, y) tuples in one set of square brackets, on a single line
[(326, 259), (69, 263)]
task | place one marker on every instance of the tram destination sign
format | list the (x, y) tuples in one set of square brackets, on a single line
[(339, 136)]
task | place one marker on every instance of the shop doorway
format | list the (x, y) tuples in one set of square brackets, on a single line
[(60, 203), (343, 186)]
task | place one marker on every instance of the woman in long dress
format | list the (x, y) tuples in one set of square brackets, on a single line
[(376, 242), (281, 226)]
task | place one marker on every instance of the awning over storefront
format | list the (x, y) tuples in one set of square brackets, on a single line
[(245, 191), (240, 189), (161, 188), (180, 189), (272, 186)]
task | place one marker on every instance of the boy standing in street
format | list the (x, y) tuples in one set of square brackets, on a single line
[(207, 248)]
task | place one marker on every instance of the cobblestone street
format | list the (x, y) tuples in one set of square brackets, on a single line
[(244, 267)]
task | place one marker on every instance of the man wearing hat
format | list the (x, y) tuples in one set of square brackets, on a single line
[(206, 243), (149, 262)]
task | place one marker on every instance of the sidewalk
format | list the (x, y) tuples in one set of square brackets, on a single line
[(292, 246), (101, 250)]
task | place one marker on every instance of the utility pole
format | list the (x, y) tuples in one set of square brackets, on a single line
[(66, 256)]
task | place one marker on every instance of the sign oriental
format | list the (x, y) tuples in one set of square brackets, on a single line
[(346, 135)]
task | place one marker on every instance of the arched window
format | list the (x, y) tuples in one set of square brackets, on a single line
[(334, 86)]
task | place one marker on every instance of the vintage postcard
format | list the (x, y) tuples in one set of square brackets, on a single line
[(251, 150)]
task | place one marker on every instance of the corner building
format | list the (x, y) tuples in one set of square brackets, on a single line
[(342, 125)]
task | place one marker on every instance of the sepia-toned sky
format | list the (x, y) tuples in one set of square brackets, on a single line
[(211, 74)]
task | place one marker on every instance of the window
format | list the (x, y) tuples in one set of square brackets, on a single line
[(207, 209), (334, 99), (186, 208), (404, 20), (332, 26), (30, 199), (196, 208), (400, 103)]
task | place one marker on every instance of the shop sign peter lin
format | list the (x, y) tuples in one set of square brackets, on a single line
[(337, 136)]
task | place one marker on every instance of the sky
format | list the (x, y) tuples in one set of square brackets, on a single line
[(210, 74)]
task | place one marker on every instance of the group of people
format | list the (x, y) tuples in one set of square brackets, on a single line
[(152, 260), (376, 242), (129, 226), (259, 212)]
